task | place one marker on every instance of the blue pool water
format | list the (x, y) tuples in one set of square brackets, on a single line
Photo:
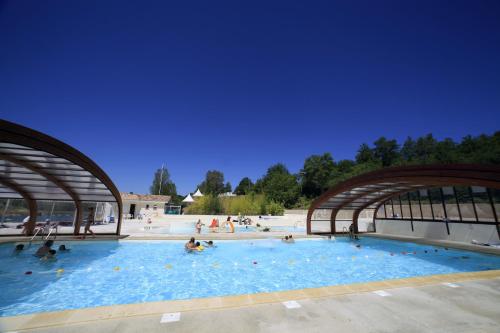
[(189, 228), (121, 272)]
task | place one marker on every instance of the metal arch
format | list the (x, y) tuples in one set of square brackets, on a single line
[(29, 200), (74, 196), (17, 134), (425, 175)]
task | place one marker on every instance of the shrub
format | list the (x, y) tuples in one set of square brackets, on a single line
[(206, 205), (275, 208)]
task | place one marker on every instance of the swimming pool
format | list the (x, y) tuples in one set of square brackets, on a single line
[(189, 228), (122, 272)]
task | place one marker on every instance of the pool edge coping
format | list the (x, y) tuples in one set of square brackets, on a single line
[(86, 315)]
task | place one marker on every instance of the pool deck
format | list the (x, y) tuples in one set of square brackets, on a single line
[(462, 302)]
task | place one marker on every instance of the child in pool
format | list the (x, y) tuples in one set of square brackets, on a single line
[(50, 256), (46, 248), (63, 248), (209, 243)]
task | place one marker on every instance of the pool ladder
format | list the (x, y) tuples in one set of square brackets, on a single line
[(40, 229)]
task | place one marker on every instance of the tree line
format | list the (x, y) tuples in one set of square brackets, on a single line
[(320, 172)]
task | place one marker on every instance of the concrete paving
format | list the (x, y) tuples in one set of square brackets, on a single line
[(472, 307)]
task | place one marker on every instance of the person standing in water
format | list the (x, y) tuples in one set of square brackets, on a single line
[(90, 221)]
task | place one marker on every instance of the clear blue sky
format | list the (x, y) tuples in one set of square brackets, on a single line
[(236, 86)]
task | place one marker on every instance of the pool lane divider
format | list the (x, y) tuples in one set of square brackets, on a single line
[(89, 315)]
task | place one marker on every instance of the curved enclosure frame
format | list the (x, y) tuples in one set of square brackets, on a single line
[(455, 193), (45, 181)]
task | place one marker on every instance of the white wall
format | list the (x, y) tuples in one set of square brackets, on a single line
[(142, 204), (459, 232)]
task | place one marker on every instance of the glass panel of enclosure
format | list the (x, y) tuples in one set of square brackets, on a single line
[(437, 203), (105, 216), (14, 212), (320, 220), (452, 209), (495, 197), (44, 210), (467, 208), (426, 205), (405, 206), (388, 209), (397, 207), (415, 207), (482, 204), (381, 212)]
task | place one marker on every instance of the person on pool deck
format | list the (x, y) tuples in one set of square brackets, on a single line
[(214, 225), (198, 226), (90, 221), (43, 250)]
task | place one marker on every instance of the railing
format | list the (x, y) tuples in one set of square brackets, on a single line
[(36, 233), (52, 228)]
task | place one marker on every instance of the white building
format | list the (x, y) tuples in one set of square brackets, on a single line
[(135, 204)]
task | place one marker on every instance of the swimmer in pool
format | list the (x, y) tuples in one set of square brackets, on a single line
[(209, 244), (50, 256), (189, 246), (43, 250), (18, 248), (63, 248)]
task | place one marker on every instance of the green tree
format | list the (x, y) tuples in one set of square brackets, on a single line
[(445, 152), (408, 151), (365, 154), (244, 187), (386, 151), (213, 183), (228, 187), (162, 184), (345, 166), (425, 148), (280, 186), (318, 170), (481, 149)]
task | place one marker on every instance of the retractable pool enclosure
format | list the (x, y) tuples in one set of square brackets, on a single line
[(45, 180), (415, 195)]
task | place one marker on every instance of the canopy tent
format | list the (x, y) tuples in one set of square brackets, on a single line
[(197, 193), (188, 199)]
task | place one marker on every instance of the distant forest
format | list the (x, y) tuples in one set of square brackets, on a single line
[(288, 190)]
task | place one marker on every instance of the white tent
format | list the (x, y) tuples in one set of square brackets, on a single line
[(197, 193), (188, 198)]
